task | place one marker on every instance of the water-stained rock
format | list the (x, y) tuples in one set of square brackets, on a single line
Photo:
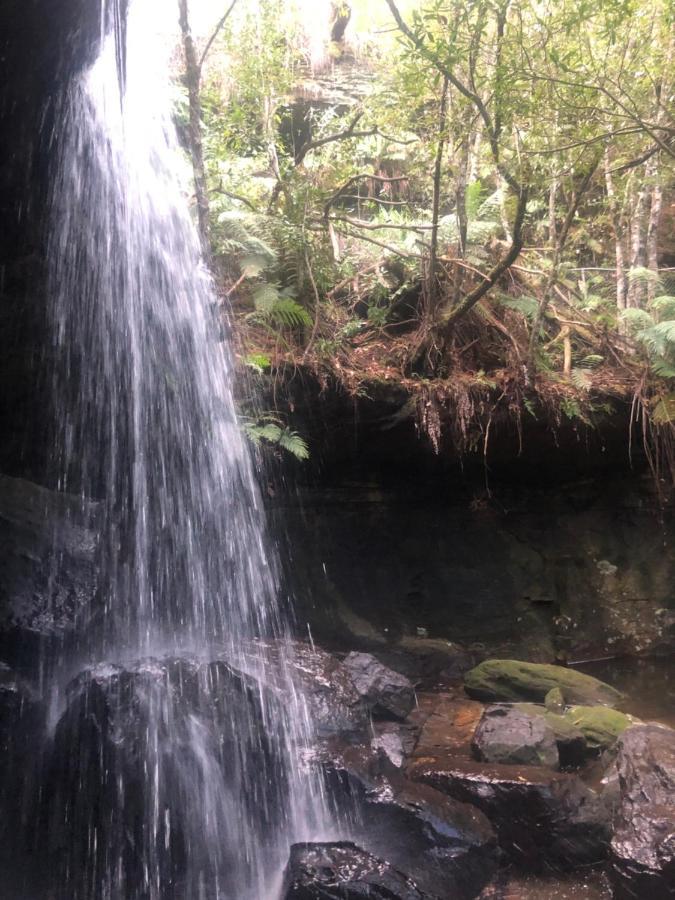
[(510, 680), (643, 845), (147, 756), (387, 694), (343, 871), (47, 563), (336, 705), (512, 736), (542, 818), (447, 847), (573, 749)]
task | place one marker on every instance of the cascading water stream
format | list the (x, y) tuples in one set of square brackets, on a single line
[(178, 770)]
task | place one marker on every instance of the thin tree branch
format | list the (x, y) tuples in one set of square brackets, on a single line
[(214, 35)]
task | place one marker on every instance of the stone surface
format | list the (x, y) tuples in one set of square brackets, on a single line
[(512, 736), (336, 705), (600, 726), (543, 819), (200, 723), (387, 694), (411, 552), (447, 847), (643, 845), (510, 680), (570, 741), (47, 563), (448, 722), (343, 871)]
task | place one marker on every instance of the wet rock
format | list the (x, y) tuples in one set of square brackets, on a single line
[(343, 871), (542, 818), (424, 660), (47, 563), (600, 726), (21, 727), (509, 680), (511, 736), (198, 728), (570, 741), (336, 705), (643, 845), (394, 741), (387, 693), (448, 723), (447, 847)]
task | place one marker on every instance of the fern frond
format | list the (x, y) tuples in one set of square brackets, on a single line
[(581, 380), (664, 306), (662, 368), (526, 306)]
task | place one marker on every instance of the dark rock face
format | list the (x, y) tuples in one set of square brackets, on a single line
[(191, 722), (540, 574), (343, 871), (387, 694), (507, 735), (448, 848), (541, 817), (510, 680), (337, 707), (47, 563), (643, 846)]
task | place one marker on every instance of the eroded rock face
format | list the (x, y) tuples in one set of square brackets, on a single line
[(47, 562), (510, 680), (447, 847), (387, 693), (643, 845), (511, 736), (542, 818), (343, 871)]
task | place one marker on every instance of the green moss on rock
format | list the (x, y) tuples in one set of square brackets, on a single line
[(598, 724), (510, 680)]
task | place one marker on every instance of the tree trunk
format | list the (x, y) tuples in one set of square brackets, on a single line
[(656, 202), (638, 249), (192, 82), (617, 228), (433, 286)]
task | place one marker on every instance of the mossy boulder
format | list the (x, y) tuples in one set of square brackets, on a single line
[(510, 680), (599, 725), (554, 701)]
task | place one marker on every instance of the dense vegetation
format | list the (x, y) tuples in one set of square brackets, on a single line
[(471, 199)]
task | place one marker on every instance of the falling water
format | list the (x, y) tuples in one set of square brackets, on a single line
[(176, 764)]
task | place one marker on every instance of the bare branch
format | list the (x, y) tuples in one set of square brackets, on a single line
[(214, 35)]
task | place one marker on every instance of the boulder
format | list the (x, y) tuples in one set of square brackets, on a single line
[(643, 845), (386, 693), (509, 680), (447, 847), (177, 734), (599, 725), (543, 818), (511, 736), (343, 871), (570, 741), (336, 705), (447, 723)]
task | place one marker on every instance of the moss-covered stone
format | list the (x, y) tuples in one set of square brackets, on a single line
[(510, 680), (554, 701), (599, 725)]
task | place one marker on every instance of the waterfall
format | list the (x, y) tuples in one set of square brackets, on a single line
[(177, 749)]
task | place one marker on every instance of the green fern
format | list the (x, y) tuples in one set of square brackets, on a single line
[(275, 307), (275, 434), (581, 379), (526, 306), (664, 306)]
